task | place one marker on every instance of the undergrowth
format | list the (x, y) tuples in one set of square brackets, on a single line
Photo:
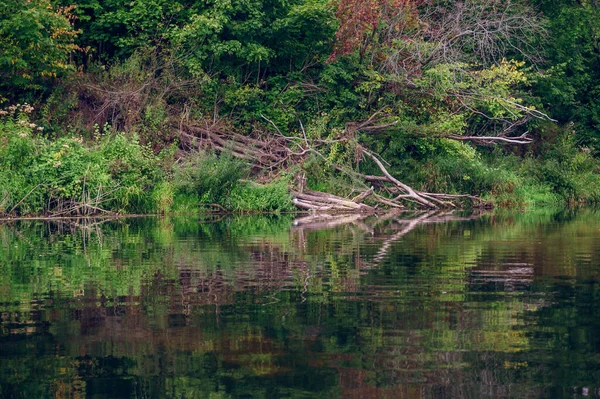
[(206, 179), (114, 172), (67, 176), (563, 175)]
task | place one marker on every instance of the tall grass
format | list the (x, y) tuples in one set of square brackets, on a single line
[(206, 179)]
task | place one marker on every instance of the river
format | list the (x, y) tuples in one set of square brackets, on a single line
[(394, 306)]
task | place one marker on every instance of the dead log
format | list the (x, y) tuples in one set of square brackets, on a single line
[(316, 200), (275, 153), (361, 197), (327, 200), (410, 192), (522, 139), (312, 207)]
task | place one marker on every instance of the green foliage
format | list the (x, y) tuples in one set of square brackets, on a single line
[(209, 176), (36, 39), (133, 168), (66, 176), (245, 36), (205, 178), (272, 66), (273, 197), (563, 174), (162, 196), (119, 27), (205, 34), (571, 172), (569, 88)]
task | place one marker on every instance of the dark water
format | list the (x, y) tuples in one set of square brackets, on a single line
[(500, 306)]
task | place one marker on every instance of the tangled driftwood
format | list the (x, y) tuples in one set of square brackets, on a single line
[(318, 201), (276, 152)]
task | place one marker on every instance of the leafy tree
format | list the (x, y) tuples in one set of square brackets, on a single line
[(258, 37), (116, 28), (570, 86), (36, 39), (439, 68), (214, 36)]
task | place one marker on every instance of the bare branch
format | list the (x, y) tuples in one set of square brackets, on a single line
[(409, 190), (522, 139)]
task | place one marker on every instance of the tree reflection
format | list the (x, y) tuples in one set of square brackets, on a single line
[(422, 305)]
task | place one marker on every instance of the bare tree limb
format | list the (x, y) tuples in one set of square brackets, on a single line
[(522, 139)]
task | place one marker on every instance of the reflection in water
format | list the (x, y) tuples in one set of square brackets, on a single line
[(426, 305)]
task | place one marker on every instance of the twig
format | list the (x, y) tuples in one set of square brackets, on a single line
[(272, 123), (23, 199)]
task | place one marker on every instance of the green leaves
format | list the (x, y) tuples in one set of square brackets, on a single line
[(209, 177), (221, 34), (569, 87), (39, 176), (119, 27), (36, 39)]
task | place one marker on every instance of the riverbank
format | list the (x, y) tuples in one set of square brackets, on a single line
[(275, 99), (113, 173)]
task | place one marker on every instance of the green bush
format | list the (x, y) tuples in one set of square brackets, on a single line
[(273, 197), (209, 176), (572, 174), (36, 40), (506, 180), (209, 179), (65, 176)]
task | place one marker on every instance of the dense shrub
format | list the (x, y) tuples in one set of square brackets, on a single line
[(36, 39), (209, 177), (251, 197), (65, 176), (205, 178)]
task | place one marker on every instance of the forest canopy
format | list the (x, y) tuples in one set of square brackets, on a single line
[(392, 103)]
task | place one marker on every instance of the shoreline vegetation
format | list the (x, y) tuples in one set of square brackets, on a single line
[(318, 106)]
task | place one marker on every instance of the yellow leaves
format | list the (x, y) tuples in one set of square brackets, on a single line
[(515, 365), (67, 11), (505, 73)]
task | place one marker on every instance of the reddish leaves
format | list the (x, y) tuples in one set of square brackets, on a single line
[(362, 20)]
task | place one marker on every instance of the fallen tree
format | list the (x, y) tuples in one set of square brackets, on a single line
[(272, 153), (318, 201)]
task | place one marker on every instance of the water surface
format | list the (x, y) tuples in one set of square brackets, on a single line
[(254, 307)]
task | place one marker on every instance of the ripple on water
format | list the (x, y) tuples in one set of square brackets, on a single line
[(152, 307)]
